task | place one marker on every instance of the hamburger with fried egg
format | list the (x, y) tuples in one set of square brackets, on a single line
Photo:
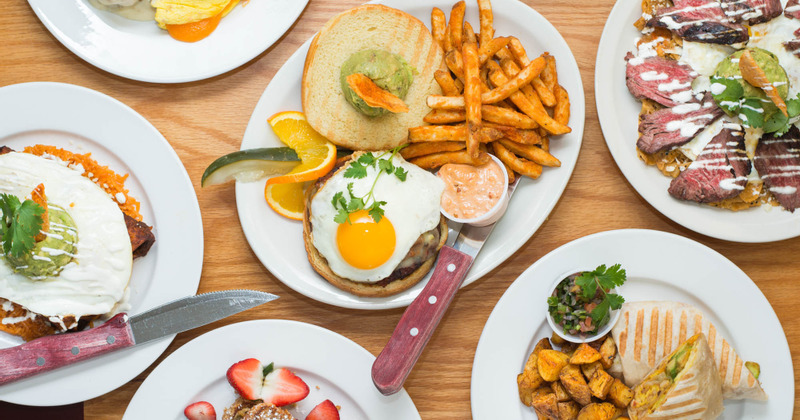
[(77, 266), (391, 242), (395, 51)]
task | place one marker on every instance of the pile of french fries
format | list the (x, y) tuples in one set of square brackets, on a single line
[(573, 383), (495, 99)]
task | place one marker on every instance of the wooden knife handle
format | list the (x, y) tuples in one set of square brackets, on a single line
[(54, 351), (420, 319)]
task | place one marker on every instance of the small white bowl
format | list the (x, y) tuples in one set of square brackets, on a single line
[(573, 338), (495, 213)]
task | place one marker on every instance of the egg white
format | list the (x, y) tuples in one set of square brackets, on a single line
[(97, 277), (412, 206)]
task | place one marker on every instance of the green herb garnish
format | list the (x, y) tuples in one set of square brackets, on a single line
[(585, 295), (20, 222), (358, 170), (755, 112)]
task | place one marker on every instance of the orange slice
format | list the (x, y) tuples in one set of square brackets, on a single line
[(287, 199), (317, 155)]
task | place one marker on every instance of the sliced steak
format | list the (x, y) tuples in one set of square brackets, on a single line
[(5, 149), (665, 81), (777, 161), (720, 171), (751, 11), (793, 46), (792, 9), (670, 127), (700, 21)]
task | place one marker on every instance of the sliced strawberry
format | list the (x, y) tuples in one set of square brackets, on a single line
[(246, 378), (324, 411), (201, 410), (282, 387)]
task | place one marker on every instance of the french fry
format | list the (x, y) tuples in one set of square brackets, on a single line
[(457, 24), (445, 116), (490, 48), (487, 21), (510, 67), (437, 133), (506, 116), (545, 142), (532, 153), (520, 79), (469, 33), (445, 102), (472, 96), (414, 150), (488, 134), (549, 74), (438, 26), (374, 95), (521, 57), (455, 63), (517, 135), (436, 160), (511, 174), (518, 165), (537, 113), (446, 82), (561, 111), (448, 42)]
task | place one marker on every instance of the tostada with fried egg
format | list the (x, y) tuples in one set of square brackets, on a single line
[(69, 234)]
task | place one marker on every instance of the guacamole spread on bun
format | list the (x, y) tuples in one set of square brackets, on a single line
[(389, 71)]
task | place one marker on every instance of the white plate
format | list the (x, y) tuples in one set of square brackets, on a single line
[(660, 266), (278, 242), (141, 51), (620, 129), (83, 120), (333, 366)]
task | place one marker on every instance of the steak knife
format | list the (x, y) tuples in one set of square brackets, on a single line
[(419, 321), (123, 331)]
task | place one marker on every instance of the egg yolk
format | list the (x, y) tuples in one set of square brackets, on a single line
[(363, 243), (194, 31)]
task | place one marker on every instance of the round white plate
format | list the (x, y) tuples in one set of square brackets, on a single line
[(278, 242), (333, 366), (141, 51), (83, 120), (620, 129), (660, 266)]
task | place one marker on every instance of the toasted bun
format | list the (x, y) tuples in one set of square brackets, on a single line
[(371, 26), (320, 264)]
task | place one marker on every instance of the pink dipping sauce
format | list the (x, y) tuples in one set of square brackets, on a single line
[(471, 191)]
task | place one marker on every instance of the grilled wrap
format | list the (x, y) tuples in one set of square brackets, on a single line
[(648, 331)]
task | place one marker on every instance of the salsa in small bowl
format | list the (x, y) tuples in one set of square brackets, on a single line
[(582, 306)]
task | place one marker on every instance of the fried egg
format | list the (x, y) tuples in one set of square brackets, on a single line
[(97, 276), (191, 20), (362, 250)]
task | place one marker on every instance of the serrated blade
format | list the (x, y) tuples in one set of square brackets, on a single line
[(193, 311)]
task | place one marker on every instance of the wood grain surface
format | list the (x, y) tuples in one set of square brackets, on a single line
[(204, 120)]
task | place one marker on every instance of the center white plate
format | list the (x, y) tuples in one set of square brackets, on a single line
[(82, 120), (660, 266), (278, 242), (619, 123), (141, 51), (333, 366)]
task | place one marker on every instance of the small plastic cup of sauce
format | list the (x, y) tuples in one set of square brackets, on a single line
[(475, 195)]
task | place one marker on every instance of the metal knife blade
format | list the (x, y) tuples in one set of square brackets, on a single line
[(419, 321), (121, 331)]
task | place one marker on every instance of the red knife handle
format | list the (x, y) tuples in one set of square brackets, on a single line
[(54, 351), (391, 368)]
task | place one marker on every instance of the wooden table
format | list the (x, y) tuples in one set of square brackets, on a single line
[(206, 119)]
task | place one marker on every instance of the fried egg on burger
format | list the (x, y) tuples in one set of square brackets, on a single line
[(370, 258)]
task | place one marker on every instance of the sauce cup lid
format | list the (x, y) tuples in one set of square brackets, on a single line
[(496, 212)]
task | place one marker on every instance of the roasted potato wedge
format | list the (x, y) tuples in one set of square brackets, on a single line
[(597, 411), (584, 354), (575, 384), (600, 383), (607, 352), (620, 394), (550, 363), (568, 410), (546, 405), (561, 393)]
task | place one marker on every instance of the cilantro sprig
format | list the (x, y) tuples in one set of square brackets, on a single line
[(20, 222), (582, 303), (755, 112), (357, 169)]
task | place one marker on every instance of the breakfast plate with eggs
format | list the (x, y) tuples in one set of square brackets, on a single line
[(744, 206), (334, 367), (279, 242), (96, 268), (170, 41)]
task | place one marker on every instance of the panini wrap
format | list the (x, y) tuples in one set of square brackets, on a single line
[(648, 331), (684, 385)]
